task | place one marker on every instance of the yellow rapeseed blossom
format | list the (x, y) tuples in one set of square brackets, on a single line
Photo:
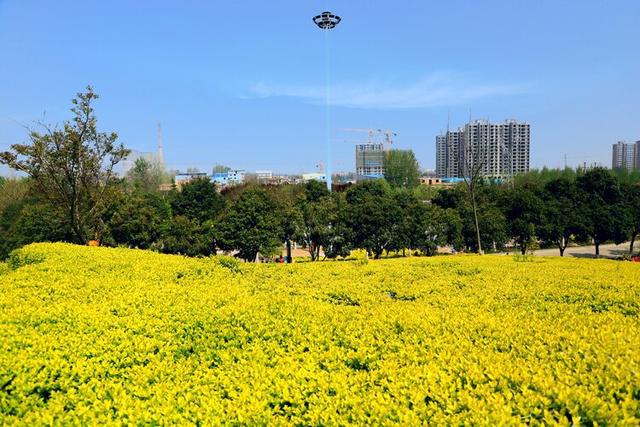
[(95, 336)]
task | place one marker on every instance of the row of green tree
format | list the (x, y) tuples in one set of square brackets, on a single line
[(71, 193), (588, 207), (246, 220)]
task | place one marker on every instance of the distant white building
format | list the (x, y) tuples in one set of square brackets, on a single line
[(264, 175), (314, 176)]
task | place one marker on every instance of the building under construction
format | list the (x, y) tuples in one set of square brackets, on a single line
[(370, 160), (370, 155)]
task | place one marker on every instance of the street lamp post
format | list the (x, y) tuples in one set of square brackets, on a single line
[(327, 21)]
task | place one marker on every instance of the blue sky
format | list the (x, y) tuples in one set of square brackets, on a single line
[(242, 83)]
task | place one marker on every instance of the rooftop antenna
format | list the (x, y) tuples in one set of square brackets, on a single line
[(327, 21)]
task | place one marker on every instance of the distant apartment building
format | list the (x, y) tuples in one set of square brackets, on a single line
[(499, 150), (626, 156), (370, 160)]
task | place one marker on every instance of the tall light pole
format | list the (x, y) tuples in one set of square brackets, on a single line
[(327, 21)]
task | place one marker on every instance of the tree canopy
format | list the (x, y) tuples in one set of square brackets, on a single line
[(198, 200), (72, 166), (251, 225), (401, 169)]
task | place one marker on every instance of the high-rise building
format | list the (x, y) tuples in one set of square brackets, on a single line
[(370, 160), (498, 150), (448, 153), (626, 156), (153, 158)]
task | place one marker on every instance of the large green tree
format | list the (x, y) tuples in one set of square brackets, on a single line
[(488, 224), (371, 213), (146, 175), (250, 225), (418, 225), (318, 216), (30, 220), (338, 241), (12, 190), (186, 236), (401, 169), (523, 213), (198, 200), (139, 219), (560, 216), (72, 167), (288, 199), (406, 223), (631, 206), (599, 204)]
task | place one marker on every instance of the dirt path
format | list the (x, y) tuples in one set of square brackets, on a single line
[(606, 251)]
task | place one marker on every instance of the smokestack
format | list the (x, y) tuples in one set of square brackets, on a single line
[(160, 146)]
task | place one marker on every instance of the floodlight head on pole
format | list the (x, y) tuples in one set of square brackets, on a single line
[(327, 20)]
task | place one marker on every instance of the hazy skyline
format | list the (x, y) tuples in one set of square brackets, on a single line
[(242, 83)]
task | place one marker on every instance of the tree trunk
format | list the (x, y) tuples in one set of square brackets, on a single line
[(289, 260), (74, 226), (562, 246), (633, 241), (523, 249), (597, 243), (378, 252), (475, 217)]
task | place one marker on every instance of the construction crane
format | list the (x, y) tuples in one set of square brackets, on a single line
[(386, 135), (387, 138), (371, 132)]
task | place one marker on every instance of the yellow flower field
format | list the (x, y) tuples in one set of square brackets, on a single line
[(93, 336)]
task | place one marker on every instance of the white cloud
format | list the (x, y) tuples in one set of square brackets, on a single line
[(435, 90)]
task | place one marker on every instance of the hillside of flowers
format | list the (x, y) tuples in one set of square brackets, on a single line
[(98, 336)]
